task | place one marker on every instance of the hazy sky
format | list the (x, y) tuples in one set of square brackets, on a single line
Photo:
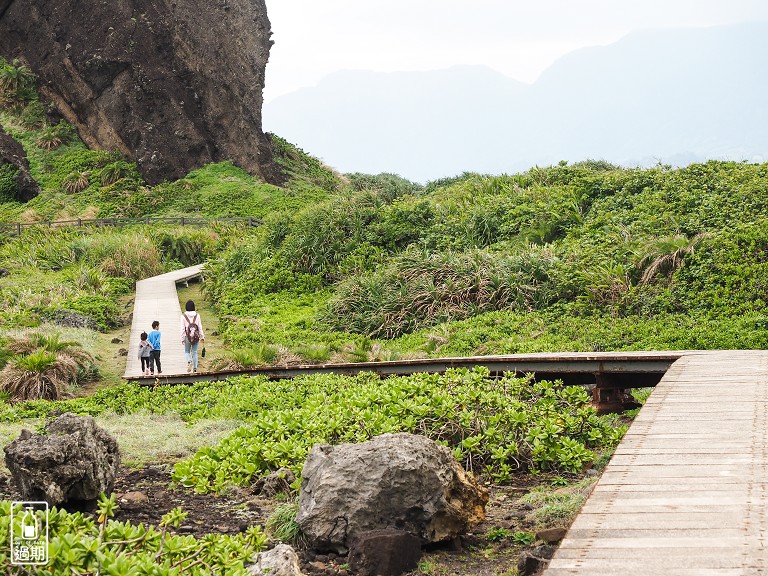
[(518, 38)]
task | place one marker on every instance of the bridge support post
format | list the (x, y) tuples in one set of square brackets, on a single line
[(610, 395)]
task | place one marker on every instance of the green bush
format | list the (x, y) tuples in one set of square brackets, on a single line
[(17, 84), (494, 427), (388, 186), (102, 309), (8, 187)]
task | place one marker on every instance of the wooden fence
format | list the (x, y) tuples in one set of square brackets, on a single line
[(15, 228)]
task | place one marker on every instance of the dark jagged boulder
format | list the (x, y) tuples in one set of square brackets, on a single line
[(11, 152), (172, 84), (71, 463)]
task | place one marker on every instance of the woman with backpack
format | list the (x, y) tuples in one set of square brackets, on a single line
[(191, 334)]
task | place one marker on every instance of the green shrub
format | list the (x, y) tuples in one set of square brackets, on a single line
[(102, 309), (388, 186), (33, 115), (17, 83), (8, 187)]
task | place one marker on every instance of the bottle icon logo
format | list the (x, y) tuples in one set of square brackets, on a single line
[(29, 525), (29, 533)]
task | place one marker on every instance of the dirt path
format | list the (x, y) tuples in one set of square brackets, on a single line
[(145, 495)]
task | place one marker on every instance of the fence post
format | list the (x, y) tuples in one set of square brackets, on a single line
[(79, 222), (18, 228), (182, 220)]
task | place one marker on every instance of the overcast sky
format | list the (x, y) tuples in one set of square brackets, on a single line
[(518, 38)]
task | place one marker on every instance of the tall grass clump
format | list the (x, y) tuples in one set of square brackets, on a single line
[(324, 235), (419, 289), (302, 170), (245, 358), (124, 255), (282, 523), (36, 376), (40, 248), (43, 367)]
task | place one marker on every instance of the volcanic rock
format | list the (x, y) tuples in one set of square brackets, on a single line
[(384, 553), (281, 560), (73, 462), (399, 481), (172, 84)]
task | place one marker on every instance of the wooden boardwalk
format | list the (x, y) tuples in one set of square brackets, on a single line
[(686, 492), (157, 299)]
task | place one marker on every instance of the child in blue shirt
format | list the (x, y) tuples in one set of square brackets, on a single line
[(154, 356)]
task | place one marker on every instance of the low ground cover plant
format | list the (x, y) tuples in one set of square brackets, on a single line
[(79, 544), (494, 427)]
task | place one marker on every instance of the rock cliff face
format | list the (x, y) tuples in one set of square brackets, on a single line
[(172, 84)]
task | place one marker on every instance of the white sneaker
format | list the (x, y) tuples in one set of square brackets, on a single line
[(189, 366)]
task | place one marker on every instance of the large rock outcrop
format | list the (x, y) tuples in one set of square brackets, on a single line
[(172, 84), (11, 152), (72, 463), (400, 481)]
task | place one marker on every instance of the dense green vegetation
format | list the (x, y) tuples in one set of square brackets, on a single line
[(494, 427), (582, 257)]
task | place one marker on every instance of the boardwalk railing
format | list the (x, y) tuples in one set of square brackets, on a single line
[(15, 228)]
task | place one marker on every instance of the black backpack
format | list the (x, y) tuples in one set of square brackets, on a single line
[(192, 330)]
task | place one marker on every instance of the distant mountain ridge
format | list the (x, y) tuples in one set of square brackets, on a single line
[(657, 95)]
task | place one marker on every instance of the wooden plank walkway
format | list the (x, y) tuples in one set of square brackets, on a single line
[(157, 299), (686, 492)]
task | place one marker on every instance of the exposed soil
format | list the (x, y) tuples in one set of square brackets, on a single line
[(144, 496)]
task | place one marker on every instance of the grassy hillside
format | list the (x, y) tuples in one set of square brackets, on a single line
[(583, 257), (360, 267), (354, 267)]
